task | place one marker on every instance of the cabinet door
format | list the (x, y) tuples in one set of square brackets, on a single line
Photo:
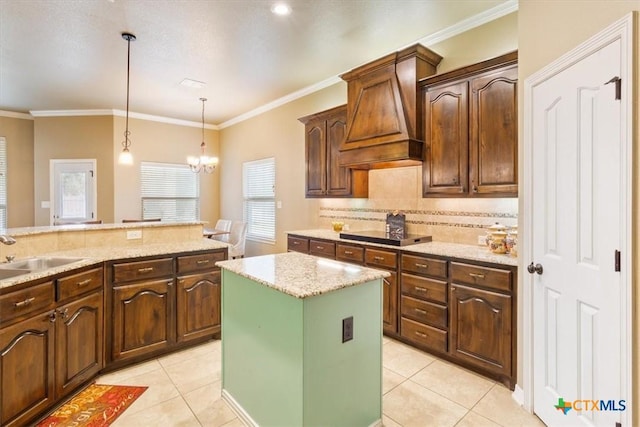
[(480, 328), (493, 143), (446, 132), (79, 341), (338, 178), (26, 369), (198, 311), (143, 318), (316, 158), (390, 303)]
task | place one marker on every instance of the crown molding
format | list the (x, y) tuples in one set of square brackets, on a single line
[(120, 113), (282, 101), (15, 115), (489, 15)]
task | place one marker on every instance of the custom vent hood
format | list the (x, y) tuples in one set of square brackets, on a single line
[(384, 112)]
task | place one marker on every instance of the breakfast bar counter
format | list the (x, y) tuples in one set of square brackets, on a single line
[(302, 340)]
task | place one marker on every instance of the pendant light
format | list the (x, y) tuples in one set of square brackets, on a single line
[(125, 156), (203, 163)]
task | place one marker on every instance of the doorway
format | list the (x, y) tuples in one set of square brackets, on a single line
[(577, 225), (73, 190)]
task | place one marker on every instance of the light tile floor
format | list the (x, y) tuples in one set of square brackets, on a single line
[(419, 390)]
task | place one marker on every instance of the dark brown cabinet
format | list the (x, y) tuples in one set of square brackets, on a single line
[(471, 133), (387, 260), (161, 303), (198, 307), (49, 353), (324, 133)]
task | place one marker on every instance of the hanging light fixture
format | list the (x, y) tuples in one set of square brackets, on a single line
[(203, 163), (125, 156)]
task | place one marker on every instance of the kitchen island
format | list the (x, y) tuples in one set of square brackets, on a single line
[(289, 355)]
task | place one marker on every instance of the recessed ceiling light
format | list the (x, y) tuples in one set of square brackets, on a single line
[(192, 83), (281, 9)]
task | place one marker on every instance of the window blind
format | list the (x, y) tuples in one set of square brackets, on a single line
[(3, 183), (169, 191), (258, 187)]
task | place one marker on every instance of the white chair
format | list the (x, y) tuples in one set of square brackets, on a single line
[(223, 225), (237, 238)]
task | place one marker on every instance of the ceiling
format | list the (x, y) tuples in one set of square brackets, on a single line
[(69, 54)]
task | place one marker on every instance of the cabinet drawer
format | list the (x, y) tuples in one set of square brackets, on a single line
[(322, 248), (381, 258), (421, 265), (424, 335), (34, 298), (78, 284), (424, 312), (142, 269), (423, 288), (482, 276), (298, 244), (201, 262), (350, 253)]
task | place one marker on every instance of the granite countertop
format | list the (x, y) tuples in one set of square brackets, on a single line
[(30, 231), (301, 275), (452, 250), (92, 256)]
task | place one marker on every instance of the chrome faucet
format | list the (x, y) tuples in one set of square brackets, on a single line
[(7, 240)]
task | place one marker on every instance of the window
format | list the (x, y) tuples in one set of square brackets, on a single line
[(73, 189), (3, 183), (259, 192), (169, 191)]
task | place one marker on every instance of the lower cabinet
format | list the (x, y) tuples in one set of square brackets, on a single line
[(143, 318), (199, 308), (47, 355), (463, 311), (160, 303)]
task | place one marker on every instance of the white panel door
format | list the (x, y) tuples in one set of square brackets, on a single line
[(73, 191), (576, 231)]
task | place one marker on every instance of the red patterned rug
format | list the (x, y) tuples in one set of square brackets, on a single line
[(96, 406)]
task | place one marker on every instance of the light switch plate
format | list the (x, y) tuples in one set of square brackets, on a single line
[(347, 329), (134, 234)]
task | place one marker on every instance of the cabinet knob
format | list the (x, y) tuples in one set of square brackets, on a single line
[(52, 317)]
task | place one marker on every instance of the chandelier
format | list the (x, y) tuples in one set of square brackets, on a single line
[(125, 156), (203, 163)]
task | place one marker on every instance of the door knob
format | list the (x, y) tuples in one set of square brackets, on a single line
[(534, 268)]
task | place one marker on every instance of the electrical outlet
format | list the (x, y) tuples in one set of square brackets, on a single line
[(347, 329), (134, 234)]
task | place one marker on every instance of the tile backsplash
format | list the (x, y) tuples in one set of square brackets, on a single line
[(459, 220)]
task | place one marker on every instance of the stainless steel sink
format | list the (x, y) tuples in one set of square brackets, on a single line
[(7, 273), (36, 264)]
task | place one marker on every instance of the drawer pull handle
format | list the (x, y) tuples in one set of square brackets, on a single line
[(296, 243), (24, 303), (419, 289), (83, 283), (202, 261), (348, 252), (378, 258), (422, 265), (477, 275), (420, 334), (386, 282), (145, 270), (320, 247), (420, 311)]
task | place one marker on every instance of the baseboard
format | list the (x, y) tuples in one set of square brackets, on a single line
[(239, 411), (376, 423), (518, 395)]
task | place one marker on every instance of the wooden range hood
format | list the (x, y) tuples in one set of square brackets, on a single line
[(384, 112)]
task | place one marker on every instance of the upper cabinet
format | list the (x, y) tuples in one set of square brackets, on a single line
[(324, 176), (384, 111), (471, 132)]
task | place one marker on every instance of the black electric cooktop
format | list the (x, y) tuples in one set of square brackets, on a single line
[(373, 236)]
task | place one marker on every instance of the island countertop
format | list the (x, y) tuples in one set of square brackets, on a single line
[(300, 275)]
